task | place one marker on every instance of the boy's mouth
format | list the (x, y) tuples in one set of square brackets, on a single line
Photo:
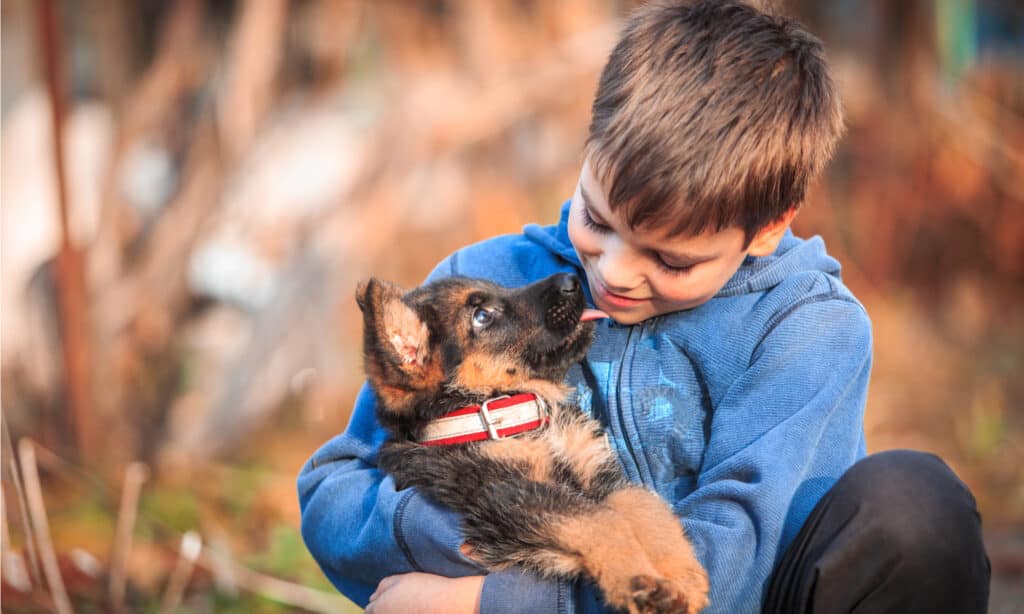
[(604, 295)]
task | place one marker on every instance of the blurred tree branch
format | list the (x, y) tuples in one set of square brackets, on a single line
[(72, 291)]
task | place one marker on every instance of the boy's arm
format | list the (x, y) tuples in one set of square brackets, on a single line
[(780, 437), (358, 527)]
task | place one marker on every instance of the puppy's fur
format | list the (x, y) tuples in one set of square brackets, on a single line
[(554, 499)]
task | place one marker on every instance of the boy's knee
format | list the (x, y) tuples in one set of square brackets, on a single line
[(899, 533), (916, 486), (916, 509)]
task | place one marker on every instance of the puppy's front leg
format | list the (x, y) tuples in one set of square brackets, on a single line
[(610, 552), (661, 535)]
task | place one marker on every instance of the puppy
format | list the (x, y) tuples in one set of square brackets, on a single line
[(468, 377)]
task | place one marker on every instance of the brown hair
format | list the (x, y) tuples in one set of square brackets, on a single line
[(711, 115)]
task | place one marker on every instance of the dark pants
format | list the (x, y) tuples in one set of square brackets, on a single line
[(899, 532)]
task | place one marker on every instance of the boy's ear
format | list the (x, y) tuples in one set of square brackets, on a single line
[(766, 241), (393, 332)]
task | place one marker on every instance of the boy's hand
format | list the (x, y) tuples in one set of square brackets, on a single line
[(424, 593)]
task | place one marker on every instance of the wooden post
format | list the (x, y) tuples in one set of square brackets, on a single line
[(72, 296)]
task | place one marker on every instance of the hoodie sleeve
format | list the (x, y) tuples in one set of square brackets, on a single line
[(780, 437), (360, 529)]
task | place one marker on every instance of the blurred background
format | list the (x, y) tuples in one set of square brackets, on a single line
[(178, 326)]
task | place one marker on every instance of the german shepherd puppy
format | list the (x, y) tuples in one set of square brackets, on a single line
[(552, 499)]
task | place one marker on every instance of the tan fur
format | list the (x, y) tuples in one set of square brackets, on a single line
[(634, 548), (394, 398), (551, 392), (483, 373), (662, 537), (609, 552), (577, 442), (534, 453)]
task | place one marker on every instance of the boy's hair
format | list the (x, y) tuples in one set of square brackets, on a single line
[(711, 114)]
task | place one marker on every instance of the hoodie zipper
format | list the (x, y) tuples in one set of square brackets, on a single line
[(633, 470)]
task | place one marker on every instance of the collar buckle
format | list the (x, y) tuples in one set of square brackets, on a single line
[(485, 415)]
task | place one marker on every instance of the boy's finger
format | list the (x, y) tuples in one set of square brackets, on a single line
[(381, 587), (384, 585)]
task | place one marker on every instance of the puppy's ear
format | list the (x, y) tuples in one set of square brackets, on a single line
[(361, 289), (394, 335)]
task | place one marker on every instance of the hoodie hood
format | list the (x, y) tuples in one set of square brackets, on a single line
[(756, 274)]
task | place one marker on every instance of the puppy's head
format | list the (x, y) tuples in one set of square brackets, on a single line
[(471, 337)]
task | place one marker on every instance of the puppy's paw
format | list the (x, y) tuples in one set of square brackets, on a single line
[(656, 596), (695, 595), (693, 586)]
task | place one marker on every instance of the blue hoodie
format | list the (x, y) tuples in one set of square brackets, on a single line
[(741, 413)]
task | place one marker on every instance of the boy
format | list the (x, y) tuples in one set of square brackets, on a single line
[(732, 375)]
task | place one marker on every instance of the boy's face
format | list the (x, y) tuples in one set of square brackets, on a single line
[(636, 275)]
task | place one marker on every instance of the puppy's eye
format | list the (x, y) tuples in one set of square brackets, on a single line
[(482, 318)]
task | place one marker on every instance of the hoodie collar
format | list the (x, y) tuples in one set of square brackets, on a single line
[(793, 255), (556, 238)]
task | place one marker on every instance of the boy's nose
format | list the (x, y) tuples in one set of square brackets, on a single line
[(617, 268)]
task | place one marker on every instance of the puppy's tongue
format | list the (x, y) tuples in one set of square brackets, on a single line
[(593, 314)]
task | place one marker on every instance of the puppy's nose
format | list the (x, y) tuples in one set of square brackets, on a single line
[(566, 283)]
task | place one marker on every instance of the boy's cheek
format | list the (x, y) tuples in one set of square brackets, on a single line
[(581, 239)]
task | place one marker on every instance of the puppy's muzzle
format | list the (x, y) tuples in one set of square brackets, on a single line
[(563, 302)]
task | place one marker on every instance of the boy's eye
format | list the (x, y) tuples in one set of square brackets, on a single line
[(672, 269), (591, 223), (482, 318)]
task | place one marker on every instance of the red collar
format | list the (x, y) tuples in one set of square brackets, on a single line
[(495, 418)]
